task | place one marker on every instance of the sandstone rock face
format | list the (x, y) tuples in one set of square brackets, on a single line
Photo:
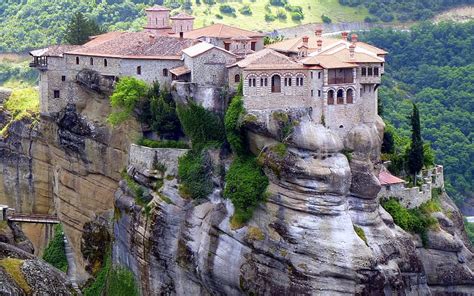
[(302, 241), (66, 162), (21, 273)]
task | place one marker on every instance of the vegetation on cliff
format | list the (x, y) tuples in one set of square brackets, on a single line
[(433, 66), (112, 280), (245, 187), (55, 252), (23, 103), (417, 220)]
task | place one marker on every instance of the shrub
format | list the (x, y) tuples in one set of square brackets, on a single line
[(128, 92), (226, 9), (416, 220), (202, 126), (235, 136), (281, 14), (158, 110), (326, 19), (296, 16), (162, 144), (278, 2), (269, 17), (194, 173), (246, 10), (245, 187), (55, 252), (137, 190)]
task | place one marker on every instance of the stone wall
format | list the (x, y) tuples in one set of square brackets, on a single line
[(141, 158), (209, 68), (415, 196)]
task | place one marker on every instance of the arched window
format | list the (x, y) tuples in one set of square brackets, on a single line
[(299, 81), (263, 81), (165, 72), (252, 82), (350, 96), (237, 78), (331, 97), (105, 62), (77, 60), (92, 62), (139, 70), (340, 96), (287, 81), (276, 83)]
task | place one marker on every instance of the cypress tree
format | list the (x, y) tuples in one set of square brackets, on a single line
[(415, 154), (80, 28)]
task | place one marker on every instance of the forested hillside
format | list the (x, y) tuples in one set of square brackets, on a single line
[(433, 66), (404, 10), (30, 24)]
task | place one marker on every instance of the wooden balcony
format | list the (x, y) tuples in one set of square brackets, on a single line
[(40, 63)]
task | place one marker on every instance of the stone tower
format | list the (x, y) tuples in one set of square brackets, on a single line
[(158, 20), (182, 23)]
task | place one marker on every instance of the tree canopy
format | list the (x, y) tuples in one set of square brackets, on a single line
[(80, 28)]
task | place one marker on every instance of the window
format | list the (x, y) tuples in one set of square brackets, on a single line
[(319, 75), (287, 81), (92, 62), (252, 82), (56, 94), (226, 46), (364, 71), (340, 96), (237, 78), (253, 46), (319, 93), (369, 71), (330, 97), (299, 81), (77, 60), (165, 72), (63, 78), (311, 75), (139, 70), (105, 62), (276, 83), (265, 81), (376, 71), (350, 96), (312, 93)]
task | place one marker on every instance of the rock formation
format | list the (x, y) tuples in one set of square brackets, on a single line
[(21, 273), (303, 240)]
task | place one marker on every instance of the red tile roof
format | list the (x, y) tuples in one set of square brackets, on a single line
[(53, 51), (220, 31), (138, 45), (386, 178)]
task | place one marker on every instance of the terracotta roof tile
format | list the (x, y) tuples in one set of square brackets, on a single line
[(327, 61), (135, 45), (265, 57), (53, 51), (201, 48), (220, 31), (180, 71), (386, 178)]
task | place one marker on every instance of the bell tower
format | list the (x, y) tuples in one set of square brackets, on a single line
[(182, 23), (158, 20)]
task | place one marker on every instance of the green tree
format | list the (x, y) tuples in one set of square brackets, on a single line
[(128, 92), (415, 154), (80, 28)]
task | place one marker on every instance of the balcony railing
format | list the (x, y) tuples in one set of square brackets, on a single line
[(340, 80)]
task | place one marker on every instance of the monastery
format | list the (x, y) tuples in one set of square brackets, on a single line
[(335, 78)]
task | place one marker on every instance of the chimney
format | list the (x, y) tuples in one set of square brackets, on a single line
[(319, 42), (354, 38), (305, 40), (344, 35), (352, 51), (151, 38), (318, 32)]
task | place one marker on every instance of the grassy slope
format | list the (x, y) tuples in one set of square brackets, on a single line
[(313, 9)]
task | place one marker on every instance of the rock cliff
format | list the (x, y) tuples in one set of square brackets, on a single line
[(322, 230)]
